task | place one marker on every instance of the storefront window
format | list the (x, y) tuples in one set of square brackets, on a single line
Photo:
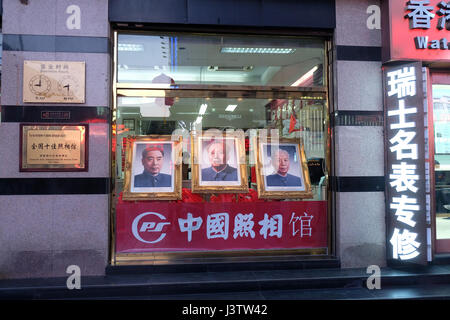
[(441, 121), (292, 118), (220, 143), (221, 60)]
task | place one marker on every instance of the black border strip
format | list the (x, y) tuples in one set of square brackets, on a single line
[(358, 53), (358, 184), (311, 14), (48, 43), (59, 114), (358, 118), (36, 186), (41, 186)]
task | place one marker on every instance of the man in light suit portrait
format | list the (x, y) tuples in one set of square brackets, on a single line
[(219, 170), (153, 160), (281, 177)]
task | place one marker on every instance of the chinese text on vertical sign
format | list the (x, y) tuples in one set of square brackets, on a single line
[(403, 169)]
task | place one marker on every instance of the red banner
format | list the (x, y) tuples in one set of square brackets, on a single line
[(417, 31), (165, 226)]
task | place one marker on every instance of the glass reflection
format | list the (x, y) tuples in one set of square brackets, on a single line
[(441, 119), (221, 60), (290, 118)]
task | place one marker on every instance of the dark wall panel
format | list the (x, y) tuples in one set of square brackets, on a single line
[(258, 13)]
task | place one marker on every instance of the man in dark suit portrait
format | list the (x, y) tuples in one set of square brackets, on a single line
[(152, 160), (219, 169), (281, 177)]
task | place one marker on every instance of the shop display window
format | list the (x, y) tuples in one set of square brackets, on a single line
[(441, 137), (222, 118)]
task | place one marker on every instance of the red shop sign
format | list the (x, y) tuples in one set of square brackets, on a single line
[(416, 30), (165, 226)]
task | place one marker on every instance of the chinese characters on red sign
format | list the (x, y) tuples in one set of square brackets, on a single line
[(163, 226), (418, 30)]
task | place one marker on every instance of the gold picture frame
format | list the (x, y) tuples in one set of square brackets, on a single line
[(140, 183), (229, 179), (295, 184)]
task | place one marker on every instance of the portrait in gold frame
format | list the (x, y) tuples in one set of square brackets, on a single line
[(228, 175), (281, 169), (153, 168)]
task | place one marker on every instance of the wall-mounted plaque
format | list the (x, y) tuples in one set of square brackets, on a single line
[(51, 147), (54, 81)]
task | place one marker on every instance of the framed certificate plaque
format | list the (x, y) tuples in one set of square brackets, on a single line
[(54, 147)]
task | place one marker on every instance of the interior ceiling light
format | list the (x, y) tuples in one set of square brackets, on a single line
[(199, 120), (257, 50), (231, 107), (135, 47), (135, 100), (203, 109), (303, 79), (230, 68)]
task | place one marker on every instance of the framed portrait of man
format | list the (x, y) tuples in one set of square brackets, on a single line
[(153, 168), (282, 170), (218, 163)]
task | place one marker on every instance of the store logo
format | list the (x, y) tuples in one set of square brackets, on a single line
[(148, 226)]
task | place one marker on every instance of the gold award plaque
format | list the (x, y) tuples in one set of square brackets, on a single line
[(53, 148), (54, 81)]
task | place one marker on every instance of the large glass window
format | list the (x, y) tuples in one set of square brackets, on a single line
[(190, 84), (441, 122), (302, 118), (221, 60)]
